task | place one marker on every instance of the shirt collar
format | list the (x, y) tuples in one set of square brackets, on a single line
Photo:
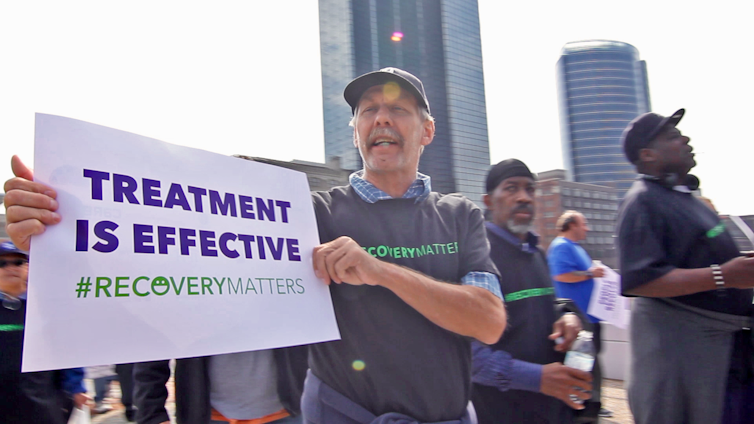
[(529, 246), (21, 296), (419, 189), (679, 188)]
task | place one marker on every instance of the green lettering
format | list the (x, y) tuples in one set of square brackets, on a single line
[(220, 284), (103, 286), (404, 252), (302, 287), (421, 251), (289, 286), (159, 282), (411, 251), (119, 286), (251, 283), (451, 248), (237, 288), (190, 285), (179, 288), (133, 287), (371, 251), (397, 252), (429, 250), (381, 251), (280, 286), (207, 284)]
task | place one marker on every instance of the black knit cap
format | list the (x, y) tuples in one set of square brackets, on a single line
[(643, 129), (506, 169)]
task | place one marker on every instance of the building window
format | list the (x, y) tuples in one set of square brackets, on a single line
[(555, 189), (566, 191), (548, 204), (577, 203), (587, 205), (567, 202), (577, 192)]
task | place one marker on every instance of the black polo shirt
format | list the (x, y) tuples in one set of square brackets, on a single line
[(661, 229)]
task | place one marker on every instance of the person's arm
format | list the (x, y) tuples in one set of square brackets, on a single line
[(150, 393), (737, 273), (565, 268), (579, 276), (73, 384), (463, 309), (645, 267), (29, 206), (498, 369)]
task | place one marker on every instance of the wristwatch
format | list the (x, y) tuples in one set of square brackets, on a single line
[(717, 274)]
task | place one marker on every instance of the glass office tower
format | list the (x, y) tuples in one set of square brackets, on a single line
[(602, 86), (436, 40)]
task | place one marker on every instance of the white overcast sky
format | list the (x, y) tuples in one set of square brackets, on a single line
[(244, 76)]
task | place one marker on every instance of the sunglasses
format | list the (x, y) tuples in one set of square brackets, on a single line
[(16, 262)]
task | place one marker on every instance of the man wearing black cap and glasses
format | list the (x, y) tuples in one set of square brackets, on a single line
[(690, 327), (413, 281), (38, 397)]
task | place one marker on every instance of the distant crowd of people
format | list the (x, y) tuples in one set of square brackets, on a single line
[(477, 335)]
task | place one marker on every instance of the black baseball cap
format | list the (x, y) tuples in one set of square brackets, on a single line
[(8, 248), (643, 129), (356, 88)]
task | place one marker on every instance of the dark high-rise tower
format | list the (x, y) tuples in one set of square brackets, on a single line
[(602, 86), (436, 40)]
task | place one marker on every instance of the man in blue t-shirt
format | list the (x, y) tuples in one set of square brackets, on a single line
[(573, 276)]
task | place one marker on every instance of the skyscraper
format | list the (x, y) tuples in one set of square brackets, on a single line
[(436, 40), (602, 86)]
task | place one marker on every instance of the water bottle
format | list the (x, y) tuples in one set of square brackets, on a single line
[(581, 357)]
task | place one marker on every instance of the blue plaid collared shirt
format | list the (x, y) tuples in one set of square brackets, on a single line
[(419, 190)]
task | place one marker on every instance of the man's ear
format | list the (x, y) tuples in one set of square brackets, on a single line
[(487, 201), (647, 154), (428, 132), (355, 139)]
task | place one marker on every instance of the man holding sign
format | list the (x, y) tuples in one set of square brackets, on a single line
[(397, 252), (413, 276), (573, 275)]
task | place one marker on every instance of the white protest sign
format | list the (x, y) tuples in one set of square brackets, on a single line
[(606, 302), (167, 252)]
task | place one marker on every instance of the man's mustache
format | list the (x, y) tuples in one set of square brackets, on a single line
[(383, 131), (524, 208)]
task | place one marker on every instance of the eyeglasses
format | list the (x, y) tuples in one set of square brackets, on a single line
[(16, 262)]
